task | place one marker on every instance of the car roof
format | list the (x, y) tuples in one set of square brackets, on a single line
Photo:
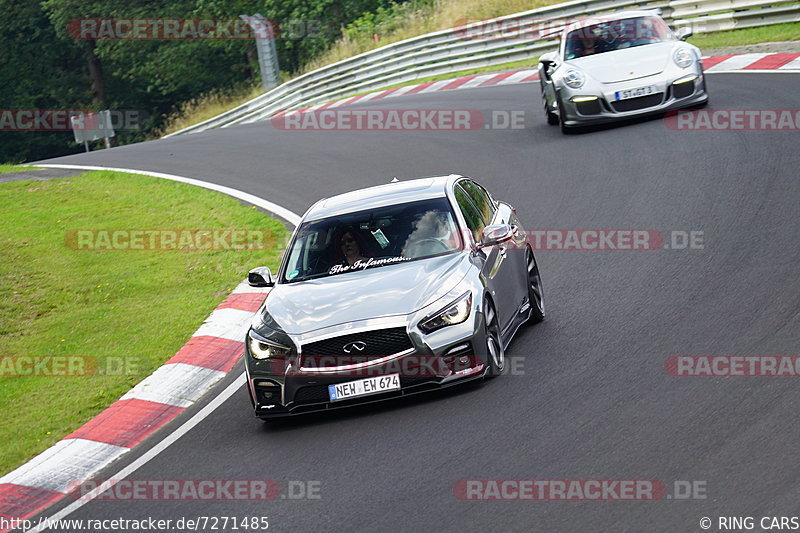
[(607, 17), (381, 195)]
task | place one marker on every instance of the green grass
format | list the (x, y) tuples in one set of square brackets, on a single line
[(8, 168), (138, 305), (776, 32)]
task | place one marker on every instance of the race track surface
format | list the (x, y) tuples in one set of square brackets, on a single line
[(591, 398)]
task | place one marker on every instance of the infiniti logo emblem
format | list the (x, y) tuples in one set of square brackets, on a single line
[(357, 346)]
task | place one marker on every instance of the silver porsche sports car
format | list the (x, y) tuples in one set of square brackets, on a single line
[(389, 291), (620, 65)]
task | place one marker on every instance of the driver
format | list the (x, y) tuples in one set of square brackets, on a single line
[(589, 46), (351, 246)]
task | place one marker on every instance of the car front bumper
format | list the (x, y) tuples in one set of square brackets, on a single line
[(583, 107), (446, 357)]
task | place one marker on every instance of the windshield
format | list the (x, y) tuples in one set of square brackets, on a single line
[(368, 239), (615, 35)]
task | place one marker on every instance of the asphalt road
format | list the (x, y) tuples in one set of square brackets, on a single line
[(592, 399)]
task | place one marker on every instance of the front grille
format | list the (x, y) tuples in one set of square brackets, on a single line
[(374, 345), (638, 103)]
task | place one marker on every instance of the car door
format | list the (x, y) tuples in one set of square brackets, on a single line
[(479, 210)]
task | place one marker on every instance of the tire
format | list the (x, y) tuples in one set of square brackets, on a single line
[(564, 128), (552, 118), (535, 292), (495, 354)]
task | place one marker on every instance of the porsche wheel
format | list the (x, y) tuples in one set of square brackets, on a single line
[(564, 128), (552, 118)]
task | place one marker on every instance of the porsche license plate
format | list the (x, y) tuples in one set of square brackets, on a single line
[(364, 387), (635, 93)]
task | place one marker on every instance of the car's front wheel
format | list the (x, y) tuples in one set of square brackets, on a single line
[(562, 117), (535, 293), (495, 355), (552, 118)]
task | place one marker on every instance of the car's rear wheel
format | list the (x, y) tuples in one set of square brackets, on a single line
[(535, 293), (495, 355)]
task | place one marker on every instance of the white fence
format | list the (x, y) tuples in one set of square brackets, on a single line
[(521, 36)]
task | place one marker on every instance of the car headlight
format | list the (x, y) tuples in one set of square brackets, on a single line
[(263, 349), (683, 57), (455, 313), (573, 78)]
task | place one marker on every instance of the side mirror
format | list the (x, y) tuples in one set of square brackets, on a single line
[(548, 59), (496, 234), (260, 277), (684, 33)]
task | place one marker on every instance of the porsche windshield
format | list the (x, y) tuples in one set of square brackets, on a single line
[(615, 35), (374, 238)]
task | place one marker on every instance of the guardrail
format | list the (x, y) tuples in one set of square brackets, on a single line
[(501, 40)]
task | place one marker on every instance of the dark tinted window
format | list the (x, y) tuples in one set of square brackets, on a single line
[(480, 198), (607, 36), (474, 220), (379, 237)]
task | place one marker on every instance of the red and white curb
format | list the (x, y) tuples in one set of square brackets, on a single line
[(209, 355), (753, 63), (205, 359), (716, 64)]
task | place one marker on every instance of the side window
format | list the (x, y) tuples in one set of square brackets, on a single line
[(474, 221), (480, 198)]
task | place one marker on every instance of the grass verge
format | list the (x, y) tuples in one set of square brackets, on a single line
[(206, 106), (139, 307), (776, 32), (7, 168)]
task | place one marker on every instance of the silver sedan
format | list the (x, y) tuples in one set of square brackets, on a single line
[(617, 66), (390, 291)]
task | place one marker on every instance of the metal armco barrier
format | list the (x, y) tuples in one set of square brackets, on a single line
[(484, 43)]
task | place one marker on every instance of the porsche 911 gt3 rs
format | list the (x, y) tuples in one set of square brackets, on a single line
[(616, 66)]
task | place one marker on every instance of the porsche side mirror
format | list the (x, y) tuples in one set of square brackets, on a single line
[(684, 33), (260, 277), (548, 59)]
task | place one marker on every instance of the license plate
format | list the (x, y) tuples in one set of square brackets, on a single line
[(635, 93), (364, 387)]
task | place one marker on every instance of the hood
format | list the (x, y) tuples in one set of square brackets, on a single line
[(626, 64), (398, 289)]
